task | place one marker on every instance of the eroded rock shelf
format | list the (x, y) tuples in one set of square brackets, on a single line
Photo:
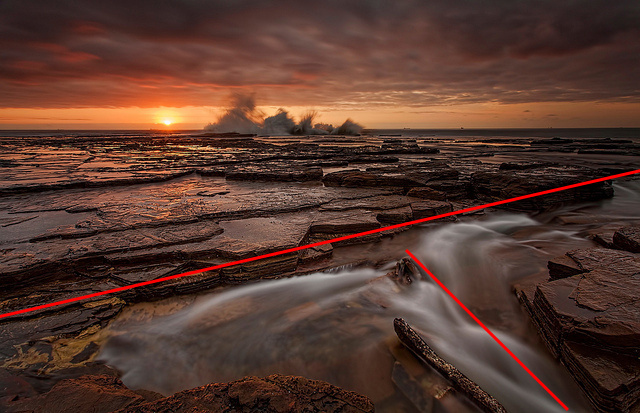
[(83, 214)]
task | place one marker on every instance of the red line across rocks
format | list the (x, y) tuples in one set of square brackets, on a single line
[(484, 327), (316, 244)]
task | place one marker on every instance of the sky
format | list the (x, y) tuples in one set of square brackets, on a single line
[(139, 64)]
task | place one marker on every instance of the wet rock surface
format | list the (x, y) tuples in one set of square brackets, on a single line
[(84, 214), (627, 238), (588, 314), (96, 394), (276, 393), (496, 186)]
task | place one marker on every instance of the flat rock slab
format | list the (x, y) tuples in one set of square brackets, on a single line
[(598, 307), (499, 185), (588, 314), (426, 192), (628, 238), (395, 216), (331, 225), (425, 209), (406, 177), (444, 189), (273, 172), (350, 222), (585, 260), (374, 203), (45, 256), (282, 231)]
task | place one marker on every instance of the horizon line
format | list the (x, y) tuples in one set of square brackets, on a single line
[(464, 128)]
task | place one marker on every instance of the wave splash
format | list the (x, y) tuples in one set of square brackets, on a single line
[(244, 117)]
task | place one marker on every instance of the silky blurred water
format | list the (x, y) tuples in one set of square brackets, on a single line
[(337, 326)]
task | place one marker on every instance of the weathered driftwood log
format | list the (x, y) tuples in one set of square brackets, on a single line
[(421, 349)]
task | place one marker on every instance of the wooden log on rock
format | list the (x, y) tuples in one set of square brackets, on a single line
[(462, 383)]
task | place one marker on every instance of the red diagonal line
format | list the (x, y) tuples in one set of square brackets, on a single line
[(316, 244), (484, 327)]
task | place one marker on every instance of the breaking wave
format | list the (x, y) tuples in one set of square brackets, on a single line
[(244, 117)]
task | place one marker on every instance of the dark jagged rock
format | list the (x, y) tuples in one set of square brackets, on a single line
[(591, 322), (405, 272), (106, 393), (13, 388), (238, 142), (275, 393), (628, 238), (552, 141), (95, 394), (563, 267), (598, 307), (604, 239), (229, 135)]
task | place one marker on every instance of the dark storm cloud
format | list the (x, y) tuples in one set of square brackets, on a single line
[(341, 53)]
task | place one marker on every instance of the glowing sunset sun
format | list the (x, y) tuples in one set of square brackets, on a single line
[(167, 122)]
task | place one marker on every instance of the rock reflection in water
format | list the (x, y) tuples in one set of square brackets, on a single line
[(338, 327)]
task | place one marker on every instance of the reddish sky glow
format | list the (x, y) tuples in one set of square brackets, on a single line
[(411, 63)]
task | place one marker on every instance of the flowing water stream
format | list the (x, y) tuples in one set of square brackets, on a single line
[(338, 326)]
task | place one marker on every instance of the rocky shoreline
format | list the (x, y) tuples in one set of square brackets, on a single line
[(87, 214)]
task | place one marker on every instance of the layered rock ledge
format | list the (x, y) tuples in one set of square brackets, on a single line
[(84, 214), (588, 313)]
